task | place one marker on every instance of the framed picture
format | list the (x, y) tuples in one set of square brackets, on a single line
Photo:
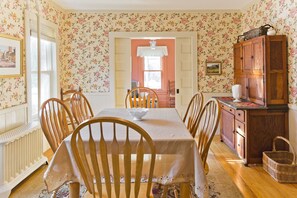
[(10, 56), (213, 68)]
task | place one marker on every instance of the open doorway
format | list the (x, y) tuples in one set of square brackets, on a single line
[(185, 65), (153, 66)]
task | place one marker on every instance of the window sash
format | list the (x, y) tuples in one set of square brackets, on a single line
[(48, 74), (157, 83)]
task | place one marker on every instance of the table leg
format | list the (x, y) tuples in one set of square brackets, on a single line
[(74, 190)]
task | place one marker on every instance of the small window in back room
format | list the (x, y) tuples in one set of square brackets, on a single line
[(152, 72)]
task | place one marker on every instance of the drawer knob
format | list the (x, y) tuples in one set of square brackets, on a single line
[(238, 126), (230, 109), (238, 114), (238, 144)]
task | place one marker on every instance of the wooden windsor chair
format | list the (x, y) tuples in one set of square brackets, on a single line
[(142, 97), (65, 96), (80, 107), (53, 120), (207, 125), (111, 160), (171, 91), (193, 112), (56, 123)]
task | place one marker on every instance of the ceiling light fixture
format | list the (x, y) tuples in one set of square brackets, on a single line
[(153, 44)]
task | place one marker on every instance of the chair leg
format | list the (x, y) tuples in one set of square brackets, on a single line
[(54, 194), (185, 190), (206, 168), (74, 190), (165, 191), (175, 193)]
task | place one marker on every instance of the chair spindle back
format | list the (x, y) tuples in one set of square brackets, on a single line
[(106, 159)]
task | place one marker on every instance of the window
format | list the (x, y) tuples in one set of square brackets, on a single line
[(47, 71), (38, 93), (152, 72)]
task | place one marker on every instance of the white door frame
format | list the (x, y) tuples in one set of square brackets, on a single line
[(143, 35)]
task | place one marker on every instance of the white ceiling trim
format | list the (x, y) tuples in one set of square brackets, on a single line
[(153, 11), (152, 5)]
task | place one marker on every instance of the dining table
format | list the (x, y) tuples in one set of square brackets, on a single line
[(174, 147)]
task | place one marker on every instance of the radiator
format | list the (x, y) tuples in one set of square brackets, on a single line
[(21, 152)]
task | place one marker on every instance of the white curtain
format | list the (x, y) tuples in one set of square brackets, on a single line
[(148, 51)]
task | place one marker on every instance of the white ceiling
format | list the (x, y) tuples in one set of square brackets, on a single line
[(113, 5)]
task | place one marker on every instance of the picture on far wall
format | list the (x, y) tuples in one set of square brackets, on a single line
[(213, 68), (10, 56)]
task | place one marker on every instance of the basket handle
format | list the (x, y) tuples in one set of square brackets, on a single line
[(287, 141)]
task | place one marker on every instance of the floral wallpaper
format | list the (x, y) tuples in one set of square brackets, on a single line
[(86, 49), (281, 14), (84, 44), (12, 90), (12, 22)]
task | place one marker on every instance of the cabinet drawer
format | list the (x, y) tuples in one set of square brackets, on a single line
[(239, 146), (239, 128), (230, 110), (239, 115)]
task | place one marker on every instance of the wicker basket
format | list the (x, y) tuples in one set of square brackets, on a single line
[(281, 165)]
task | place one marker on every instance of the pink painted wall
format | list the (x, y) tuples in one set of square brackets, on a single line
[(168, 63)]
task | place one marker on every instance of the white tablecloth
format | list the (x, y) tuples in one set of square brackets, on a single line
[(172, 141)]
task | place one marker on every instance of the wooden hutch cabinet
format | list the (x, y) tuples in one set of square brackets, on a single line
[(248, 127)]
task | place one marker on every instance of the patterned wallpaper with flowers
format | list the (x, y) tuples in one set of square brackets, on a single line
[(282, 14), (13, 90), (86, 44), (84, 49)]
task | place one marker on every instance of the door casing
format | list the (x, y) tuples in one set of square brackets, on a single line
[(151, 35)]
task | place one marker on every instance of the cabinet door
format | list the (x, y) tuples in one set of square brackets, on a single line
[(227, 128), (276, 70), (258, 55), (237, 58), (256, 91), (247, 57), (240, 145)]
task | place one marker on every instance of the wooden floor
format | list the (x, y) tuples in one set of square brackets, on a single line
[(251, 181)]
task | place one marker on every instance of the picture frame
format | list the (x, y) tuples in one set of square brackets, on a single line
[(11, 54), (213, 67)]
